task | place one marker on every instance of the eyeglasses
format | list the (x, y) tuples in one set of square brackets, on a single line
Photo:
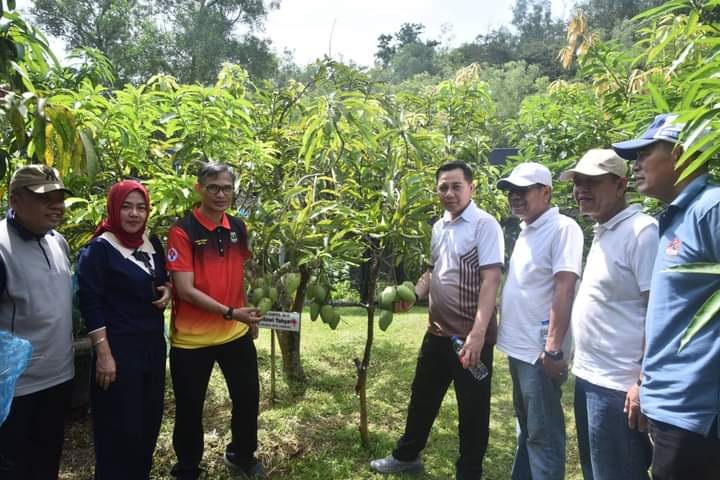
[(215, 189), (523, 190)]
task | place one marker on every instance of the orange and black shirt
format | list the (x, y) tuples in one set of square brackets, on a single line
[(216, 254)]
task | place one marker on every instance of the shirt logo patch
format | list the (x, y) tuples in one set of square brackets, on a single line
[(201, 242), (172, 255), (673, 248), (233, 237)]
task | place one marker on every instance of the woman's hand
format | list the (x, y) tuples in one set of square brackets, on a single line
[(105, 367), (165, 296)]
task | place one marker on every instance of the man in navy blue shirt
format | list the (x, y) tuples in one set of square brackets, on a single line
[(680, 391)]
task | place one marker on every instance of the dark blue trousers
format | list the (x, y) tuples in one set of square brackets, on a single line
[(127, 416), (32, 436)]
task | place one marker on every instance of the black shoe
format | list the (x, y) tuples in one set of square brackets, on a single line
[(251, 469), (181, 473)]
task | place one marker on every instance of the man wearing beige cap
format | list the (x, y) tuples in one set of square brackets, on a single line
[(35, 304), (608, 321), (535, 314)]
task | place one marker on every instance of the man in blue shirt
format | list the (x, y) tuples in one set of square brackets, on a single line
[(680, 391)]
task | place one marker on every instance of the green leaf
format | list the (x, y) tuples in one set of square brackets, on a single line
[(700, 267), (708, 311), (91, 159), (657, 97)]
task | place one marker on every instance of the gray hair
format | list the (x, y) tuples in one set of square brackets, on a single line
[(212, 170)]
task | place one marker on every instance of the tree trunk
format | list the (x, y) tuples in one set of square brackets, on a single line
[(290, 341), (362, 366)]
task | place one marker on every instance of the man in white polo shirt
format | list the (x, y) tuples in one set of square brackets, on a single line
[(467, 251), (535, 316), (608, 321)]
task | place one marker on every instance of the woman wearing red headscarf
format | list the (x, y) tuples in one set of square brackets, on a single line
[(123, 291)]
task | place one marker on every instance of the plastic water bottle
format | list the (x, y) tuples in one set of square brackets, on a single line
[(478, 371), (544, 329)]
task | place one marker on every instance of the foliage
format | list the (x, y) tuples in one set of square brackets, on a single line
[(129, 33)]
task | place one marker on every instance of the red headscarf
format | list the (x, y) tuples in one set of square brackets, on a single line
[(116, 196)]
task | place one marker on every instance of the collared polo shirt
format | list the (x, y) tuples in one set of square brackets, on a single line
[(682, 387), (552, 243), (608, 316), (460, 248), (217, 260)]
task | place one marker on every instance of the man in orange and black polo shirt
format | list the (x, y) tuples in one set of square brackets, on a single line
[(207, 250)]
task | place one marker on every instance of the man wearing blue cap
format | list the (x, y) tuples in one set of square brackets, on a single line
[(680, 391)]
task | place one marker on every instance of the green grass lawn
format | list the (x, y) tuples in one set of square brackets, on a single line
[(314, 435)]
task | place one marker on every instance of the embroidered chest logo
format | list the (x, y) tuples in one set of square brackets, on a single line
[(172, 255), (233, 237), (201, 242), (673, 248)]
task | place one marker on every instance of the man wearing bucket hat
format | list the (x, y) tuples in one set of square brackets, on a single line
[(681, 383), (35, 304), (535, 315), (608, 321)]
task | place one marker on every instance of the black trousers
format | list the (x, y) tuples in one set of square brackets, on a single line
[(32, 436), (127, 416), (683, 455), (191, 369), (437, 366)]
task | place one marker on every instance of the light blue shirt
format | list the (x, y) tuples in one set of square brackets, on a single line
[(683, 388)]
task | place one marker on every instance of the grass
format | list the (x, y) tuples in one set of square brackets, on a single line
[(314, 434)]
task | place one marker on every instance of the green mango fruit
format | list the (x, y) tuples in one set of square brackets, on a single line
[(320, 293), (327, 313), (291, 282), (405, 294), (265, 305), (334, 321), (409, 284), (314, 310), (273, 294), (256, 295), (387, 297), (385, 319)]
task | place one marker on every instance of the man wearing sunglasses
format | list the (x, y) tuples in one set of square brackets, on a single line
[(36, 304), (535, 315), (207, 250)]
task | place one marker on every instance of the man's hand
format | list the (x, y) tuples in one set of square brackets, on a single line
[(556, 370), (636, 419), (401, 306), (471, 351), (249, 315)]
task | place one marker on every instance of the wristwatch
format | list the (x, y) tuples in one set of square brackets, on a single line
[(229, 314), (555, 355)]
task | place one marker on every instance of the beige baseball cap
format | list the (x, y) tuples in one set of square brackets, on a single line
[(37, 178), (598, 161)]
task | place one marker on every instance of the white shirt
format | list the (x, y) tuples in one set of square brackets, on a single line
[(608, 317), (460, 248), (127, 253), (552, 243)]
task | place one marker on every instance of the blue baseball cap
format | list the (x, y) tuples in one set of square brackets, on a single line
[(663, 128)]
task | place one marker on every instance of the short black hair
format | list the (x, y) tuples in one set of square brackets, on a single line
[(454, 165), (212, 170)]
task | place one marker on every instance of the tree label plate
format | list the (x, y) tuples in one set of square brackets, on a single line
[(289, 321)]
